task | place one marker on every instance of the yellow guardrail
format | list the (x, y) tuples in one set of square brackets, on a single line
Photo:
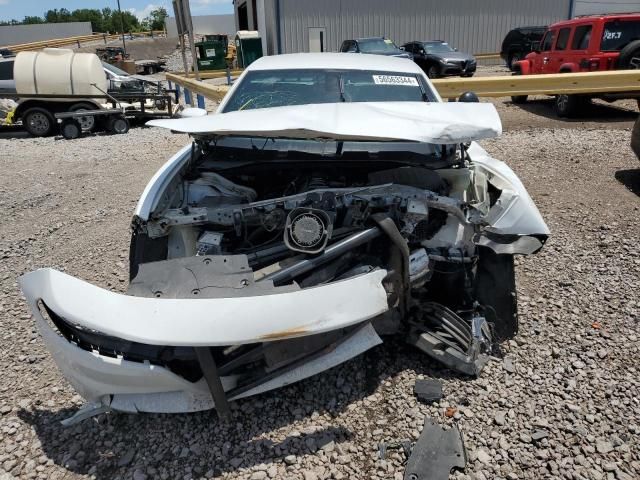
[(504, 86), (209, 74), (212, 92), (553, 84), (486, 56), (60, 42)]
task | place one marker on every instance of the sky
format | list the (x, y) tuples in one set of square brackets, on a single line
[(18, 9)]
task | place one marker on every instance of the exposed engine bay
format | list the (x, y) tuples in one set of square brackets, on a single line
[(298, 225)]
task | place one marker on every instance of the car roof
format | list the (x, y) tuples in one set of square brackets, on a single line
[(344, 61), (531, 27), (597, 17)]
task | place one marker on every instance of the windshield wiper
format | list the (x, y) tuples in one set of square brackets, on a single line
[(341, 83)]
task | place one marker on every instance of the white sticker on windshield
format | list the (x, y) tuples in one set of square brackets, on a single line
[(395, 80)]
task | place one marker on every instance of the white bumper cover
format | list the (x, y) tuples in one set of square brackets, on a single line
[(133, 386)]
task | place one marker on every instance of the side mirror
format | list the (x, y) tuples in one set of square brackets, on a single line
[(469, 97), (402, 48), (422, 52), (455, 49)]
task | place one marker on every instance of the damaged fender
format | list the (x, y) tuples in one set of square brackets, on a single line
[(514, 224)]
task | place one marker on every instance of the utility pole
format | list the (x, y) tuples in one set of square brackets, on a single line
[(188, 22), (124, 44)]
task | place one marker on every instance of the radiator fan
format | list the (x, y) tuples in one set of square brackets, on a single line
[(307, 230)]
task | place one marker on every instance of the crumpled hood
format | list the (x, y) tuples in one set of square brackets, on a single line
[(439, 123)]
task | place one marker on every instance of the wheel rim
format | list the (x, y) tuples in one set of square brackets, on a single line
[(119, 125), (634, 63), (70, 131), (39, 123), (562, 102), (86, 123)]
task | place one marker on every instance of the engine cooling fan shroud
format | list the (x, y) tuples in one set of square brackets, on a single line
[(307, 230)]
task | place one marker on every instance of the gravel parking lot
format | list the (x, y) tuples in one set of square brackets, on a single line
[(563, 402)]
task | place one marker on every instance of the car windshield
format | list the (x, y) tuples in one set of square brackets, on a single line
[(277, 88), (617, 34), (115, 70), (438, 47), (377, 45)]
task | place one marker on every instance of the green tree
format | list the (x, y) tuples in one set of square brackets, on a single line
[(57, 16), (29, 20), (105, 20), (156, 19)]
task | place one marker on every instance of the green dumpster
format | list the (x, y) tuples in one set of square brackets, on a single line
[(212, 52), (248, 47)]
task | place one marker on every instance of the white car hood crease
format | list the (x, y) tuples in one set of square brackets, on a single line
[(439, 123)]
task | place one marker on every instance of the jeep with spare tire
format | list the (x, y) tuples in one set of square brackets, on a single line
[(585, 44)]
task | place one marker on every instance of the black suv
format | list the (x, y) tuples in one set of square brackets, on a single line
[(374, 46), (519, 42), (438, 59)]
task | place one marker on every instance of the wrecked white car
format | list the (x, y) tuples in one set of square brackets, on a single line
[(330, 202)]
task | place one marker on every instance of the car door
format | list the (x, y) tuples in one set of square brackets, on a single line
[(7, 83), (559, 55), (542, 59), (417, 51), (580, 42)]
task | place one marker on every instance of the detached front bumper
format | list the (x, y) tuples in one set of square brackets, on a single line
[(124, 384)]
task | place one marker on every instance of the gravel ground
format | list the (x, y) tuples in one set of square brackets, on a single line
[(562, 403)]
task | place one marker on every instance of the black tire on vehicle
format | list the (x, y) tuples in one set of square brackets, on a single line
[(495, 289), (70, 128), (569, 106), (433, 71), (635, 136), (118, 125), (518, 99), (88, 123), (629, 58), (513, 58), (39, 122)]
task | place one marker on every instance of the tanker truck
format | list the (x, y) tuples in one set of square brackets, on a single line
[(60, 84)]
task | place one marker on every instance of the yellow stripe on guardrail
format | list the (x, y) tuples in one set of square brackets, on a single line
[(209, 74), (212, 92), (555, 84)]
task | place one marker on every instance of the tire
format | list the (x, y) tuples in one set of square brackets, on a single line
[(118, 125), (569, 106), (518, 99), (513, 58), (70, 128), (87, 123), (495, 289), (635, 137), (433, 71), (629, 58), (39, 122), (467, 75)]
